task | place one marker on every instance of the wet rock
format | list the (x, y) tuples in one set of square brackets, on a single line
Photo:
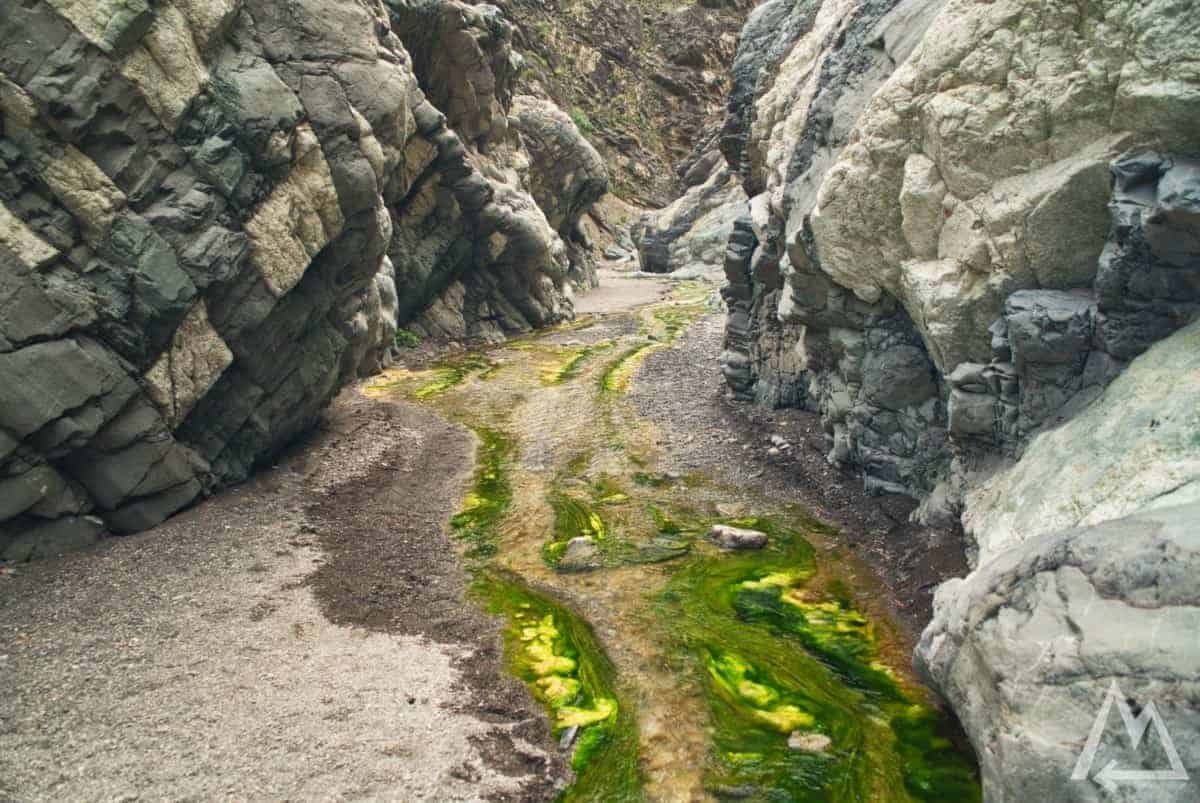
[(803, 742), (727, 537), (581, 555)]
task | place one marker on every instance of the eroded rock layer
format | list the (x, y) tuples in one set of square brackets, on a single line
[(214, 214)]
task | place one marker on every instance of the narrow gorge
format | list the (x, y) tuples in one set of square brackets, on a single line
[(429, 400)]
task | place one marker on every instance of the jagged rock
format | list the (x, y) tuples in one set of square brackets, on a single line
[(692, 232), (727, 537), (885, 211), (213, 215), (1147, 283), (1026, 648), (1136, 445)]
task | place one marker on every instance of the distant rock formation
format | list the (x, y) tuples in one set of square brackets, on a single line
[(214, 214)]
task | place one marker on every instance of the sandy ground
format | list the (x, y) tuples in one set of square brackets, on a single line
[(199, 660), (619, 292)]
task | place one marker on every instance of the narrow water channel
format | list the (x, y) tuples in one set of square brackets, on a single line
[(671, 669)]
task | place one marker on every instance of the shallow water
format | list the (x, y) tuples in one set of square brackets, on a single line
[(672, 670)]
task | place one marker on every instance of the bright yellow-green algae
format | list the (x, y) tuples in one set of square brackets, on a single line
[(490, 496), (575, 517), (572, 365), (547, 646), (778, 657), (663, 327), (776, 646), (556, 653)]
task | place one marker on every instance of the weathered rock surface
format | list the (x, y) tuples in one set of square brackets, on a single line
[(691, 233), (728, 537), (566, 177), (1136, 447), (643, 79), (212, 215), (1027, 647), (909, 221)]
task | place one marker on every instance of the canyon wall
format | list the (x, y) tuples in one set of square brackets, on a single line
[(215, 214), (972, 245)]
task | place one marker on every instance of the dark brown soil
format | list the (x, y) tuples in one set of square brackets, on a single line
[(682, 391), (390, 567)]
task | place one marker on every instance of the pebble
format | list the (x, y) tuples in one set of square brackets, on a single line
[(727, 537), (803, 742)]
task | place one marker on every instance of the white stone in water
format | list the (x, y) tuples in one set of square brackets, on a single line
[(728, 537), (808, 742)]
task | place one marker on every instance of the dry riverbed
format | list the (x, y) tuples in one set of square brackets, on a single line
[(320, 632)]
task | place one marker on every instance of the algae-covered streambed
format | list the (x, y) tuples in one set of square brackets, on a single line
[(670, 669)]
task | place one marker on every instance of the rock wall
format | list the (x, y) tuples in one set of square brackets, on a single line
[(691, 233), (972, 244), (924, 175), (1027, 649), (214, 214)]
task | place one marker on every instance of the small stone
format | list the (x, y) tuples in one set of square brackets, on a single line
[(773, 452), (727, 537), (580, 556), (779, 441), (808, 742)]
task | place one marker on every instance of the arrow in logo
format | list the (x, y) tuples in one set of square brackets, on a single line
[(1109, 776)]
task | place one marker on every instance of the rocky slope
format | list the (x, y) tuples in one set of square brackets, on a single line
[(214, 214), (644, 79), (964, 221)]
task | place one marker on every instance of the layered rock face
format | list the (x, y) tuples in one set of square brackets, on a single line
[(214, 214), (691, 233), (972, 244), (924, 176)]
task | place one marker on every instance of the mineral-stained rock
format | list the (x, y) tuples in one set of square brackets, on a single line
[(1027, 647), (214, 214), (902, 197)]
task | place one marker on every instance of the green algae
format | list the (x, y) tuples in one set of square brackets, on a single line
[(547, 646), (573, 518), (452, 372), (766, 640), (572, 366), (557, 655), (776, 655), (617, 374), (576, 518), (605, 490), (477, 522)]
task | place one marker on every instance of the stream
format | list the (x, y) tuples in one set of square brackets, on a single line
[(673, 670)]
